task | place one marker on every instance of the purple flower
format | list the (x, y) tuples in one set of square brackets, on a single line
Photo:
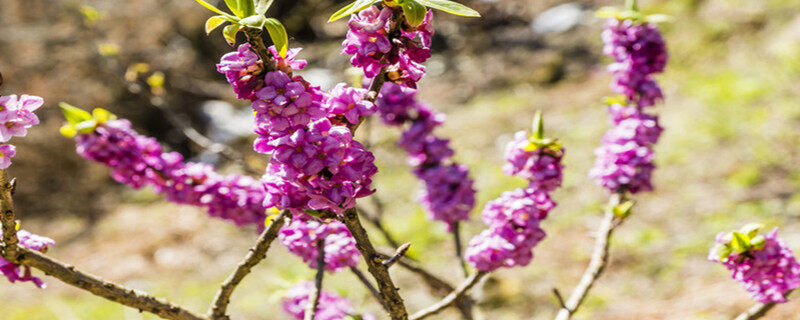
[(449, 194), (330, 306), (7, 152), (14, 272), (139, 161), (542, 166), (639, 51), (243, 71), (513, 232), (302, 235), (350, 103), (395, 103), (290, 59), (767, 273), (16, 115), (366, 39), (424, 31)]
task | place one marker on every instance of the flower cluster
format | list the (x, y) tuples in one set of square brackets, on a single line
[(514, 218), (16, 116), (139, 161), (767, 269), (448, 193), (625, 161), (315, 161), (302, 238), (331, 306), (14, 272), (376, 43), (639, 51)]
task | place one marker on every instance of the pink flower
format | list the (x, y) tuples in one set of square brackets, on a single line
[(7, 152)]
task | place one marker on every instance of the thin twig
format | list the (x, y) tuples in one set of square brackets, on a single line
[(363, 278), (459, 253), (397, 309), (254, 256), (16, 254), (313, 297), (597, 263), (759, 310), (450, 298), (401, 251), (559, 298), (375, 220)]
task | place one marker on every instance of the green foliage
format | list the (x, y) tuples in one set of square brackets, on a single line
[(414, 12), (450, 7), (81, 121), (247, 14)]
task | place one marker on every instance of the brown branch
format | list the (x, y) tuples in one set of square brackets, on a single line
[(254, 256), (16, 254), (462, 290), (401, 251), (598, 261), (759, 310), (459, 251), (313, 297), (389, 294)]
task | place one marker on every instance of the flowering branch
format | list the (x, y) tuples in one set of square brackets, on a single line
[(68, 274), (380, 272), (256, 254), (311, 309), (462, 289), (598, 262)]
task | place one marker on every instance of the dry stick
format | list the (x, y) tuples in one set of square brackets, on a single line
[(313, 302), (450, 298), (459, 253), (254, 256), (397, 310), (759, 310), (598, 262), (16, 254), (363, 278)]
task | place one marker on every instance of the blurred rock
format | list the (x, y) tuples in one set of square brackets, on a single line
[(558, 19)]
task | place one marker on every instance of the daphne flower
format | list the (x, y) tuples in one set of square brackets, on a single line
[(14, 272)]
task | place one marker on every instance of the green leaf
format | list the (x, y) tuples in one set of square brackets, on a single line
[(255, 21), (74, 114), (624, 209), (739, 242), (450, 7), (86, 127), (415, 12), (751, 230), (263, 6), (68, 131), (233, 5), (247, 8), (214, 22), (278, 35), (210, 7), (354, 7), (230, 31), (102, 115), (722, 251), (658, 18), (758, 242), (538, 126)]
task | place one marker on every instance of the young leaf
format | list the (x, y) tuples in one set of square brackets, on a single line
[(233, 5), (102, 115), (278, 35), (450, 7), (354, 7), (751, 229), (73, 114), (723, 251), (255, 21), (624, 209), (263, 6), (86, 127), (230, 31), (68, 131), (538, 126), (210, 7), (214, 22), (247, 8), (758, 242), (415, 12), (740, 243)]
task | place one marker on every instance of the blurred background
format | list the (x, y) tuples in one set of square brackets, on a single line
[(729, 154)]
